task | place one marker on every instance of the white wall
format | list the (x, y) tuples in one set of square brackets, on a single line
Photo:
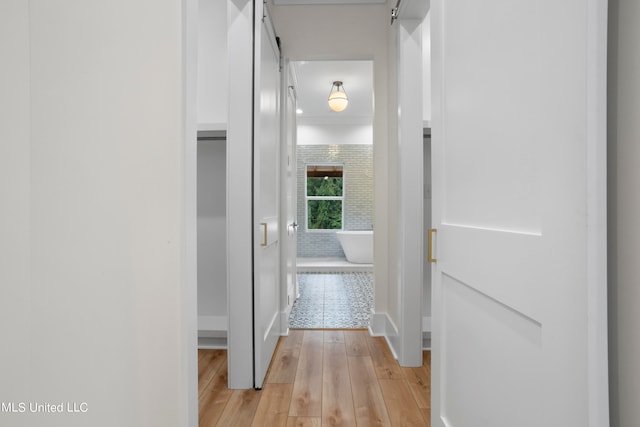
[(624, 211), (91, 161), (212, 232), (213, 74), (15, 171), (334, 134), (426, 69)]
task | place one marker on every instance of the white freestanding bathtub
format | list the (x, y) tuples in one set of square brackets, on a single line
[(357, 245)]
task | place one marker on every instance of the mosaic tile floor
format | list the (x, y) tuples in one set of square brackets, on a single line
[(333, 300)]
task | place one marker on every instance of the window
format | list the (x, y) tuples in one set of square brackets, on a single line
[(325, 196)]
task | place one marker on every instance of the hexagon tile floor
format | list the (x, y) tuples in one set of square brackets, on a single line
[(333, 300)]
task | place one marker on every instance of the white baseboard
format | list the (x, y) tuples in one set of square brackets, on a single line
[(212, 332), (426, 324), (381, 325), (212, 343), (377, 324), (284, 321), (426, 333)]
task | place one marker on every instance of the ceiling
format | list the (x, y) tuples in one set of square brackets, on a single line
[(314, 84)]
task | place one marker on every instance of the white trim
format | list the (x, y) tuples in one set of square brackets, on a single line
[(189, 291), (269, 329), (596, 179), (377, 324), (239, 201), (213, 343), (410, 194), (307, 198), (381, 325), (335, 120), (288, 178), (212, 126), (284, 320), (426, 324)]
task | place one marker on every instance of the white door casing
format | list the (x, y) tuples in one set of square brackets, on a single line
[(408, 342), (266, 153), (240, 231), (519, 287), (288, 201)]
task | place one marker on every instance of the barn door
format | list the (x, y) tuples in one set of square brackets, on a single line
[(266, 152)]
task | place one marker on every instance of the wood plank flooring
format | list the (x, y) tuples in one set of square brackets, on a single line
[(320, 378)]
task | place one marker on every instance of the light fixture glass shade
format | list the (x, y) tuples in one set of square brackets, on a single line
[(338, 100)]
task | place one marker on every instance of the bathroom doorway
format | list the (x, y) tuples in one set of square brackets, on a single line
[(334, 192)]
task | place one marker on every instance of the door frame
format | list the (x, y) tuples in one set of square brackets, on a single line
[(240, 36), (408, 342), (189, 302), (288, 177)]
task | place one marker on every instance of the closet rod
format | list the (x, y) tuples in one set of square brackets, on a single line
[(212, 138), (212, 135)]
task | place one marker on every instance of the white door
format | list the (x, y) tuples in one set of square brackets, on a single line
[(266, 286), (290, 195), (518, 139)]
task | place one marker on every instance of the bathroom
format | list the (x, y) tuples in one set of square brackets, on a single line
[(337, 148), (327, 139), (355, 159)]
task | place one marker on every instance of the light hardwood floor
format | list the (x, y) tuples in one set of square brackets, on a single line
[(320, 378)]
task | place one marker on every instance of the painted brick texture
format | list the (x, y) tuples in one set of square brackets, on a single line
[(358, 193)]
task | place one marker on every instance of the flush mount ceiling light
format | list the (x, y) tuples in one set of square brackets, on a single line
[(337, 97)]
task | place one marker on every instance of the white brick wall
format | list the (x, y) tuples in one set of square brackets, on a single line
[(358, 192)]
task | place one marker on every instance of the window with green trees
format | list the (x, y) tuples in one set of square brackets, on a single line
[(325, 196)]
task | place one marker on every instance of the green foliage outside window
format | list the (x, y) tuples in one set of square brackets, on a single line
[(324, 186), (324, 214)]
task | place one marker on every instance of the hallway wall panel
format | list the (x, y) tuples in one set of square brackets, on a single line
[(94, 160)]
